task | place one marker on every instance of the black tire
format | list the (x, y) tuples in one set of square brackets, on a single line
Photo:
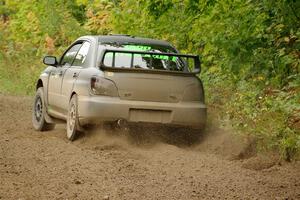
[(72, 119), (38, 112)]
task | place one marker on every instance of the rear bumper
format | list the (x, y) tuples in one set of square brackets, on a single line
[(96, 109)]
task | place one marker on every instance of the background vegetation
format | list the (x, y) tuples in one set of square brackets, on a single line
[(250, 51)]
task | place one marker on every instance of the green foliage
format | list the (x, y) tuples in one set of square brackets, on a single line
[(33, 30), (34, 21), (249, 48), (99, 17), (246, 38)]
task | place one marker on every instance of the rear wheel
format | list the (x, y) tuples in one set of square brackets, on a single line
[(72, 119), (38, 112)]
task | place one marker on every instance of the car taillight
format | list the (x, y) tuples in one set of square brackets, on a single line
[(103, 86)]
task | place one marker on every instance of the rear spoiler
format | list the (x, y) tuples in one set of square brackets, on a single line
[(196, 70)]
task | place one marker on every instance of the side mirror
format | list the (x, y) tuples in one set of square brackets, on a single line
[(50, 60)]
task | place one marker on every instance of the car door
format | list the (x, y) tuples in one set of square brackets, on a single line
[(56, 77), (73, 72)]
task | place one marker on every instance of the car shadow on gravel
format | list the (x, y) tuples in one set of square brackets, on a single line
[(180, 137)]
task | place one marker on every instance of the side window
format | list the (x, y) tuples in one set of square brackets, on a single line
[(69, 56), (82, 54)]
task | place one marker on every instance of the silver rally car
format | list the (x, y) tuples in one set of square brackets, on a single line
[(122, 79)]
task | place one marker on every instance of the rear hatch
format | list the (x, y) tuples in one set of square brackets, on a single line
[(150, 87), (151, 75)]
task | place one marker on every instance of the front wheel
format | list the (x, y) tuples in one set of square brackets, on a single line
[(38, 112), (72, 119)]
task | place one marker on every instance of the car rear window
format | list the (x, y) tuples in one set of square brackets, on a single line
[(144, 61)]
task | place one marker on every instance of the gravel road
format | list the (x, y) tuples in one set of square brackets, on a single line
[(36, 165)]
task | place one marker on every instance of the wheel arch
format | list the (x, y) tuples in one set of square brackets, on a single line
[(39, 84), (72, 94)]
